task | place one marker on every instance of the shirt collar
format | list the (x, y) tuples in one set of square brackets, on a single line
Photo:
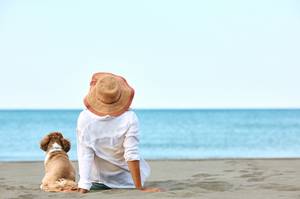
[(106, 117)]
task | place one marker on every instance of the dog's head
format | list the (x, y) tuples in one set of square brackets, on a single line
[(55, 139)]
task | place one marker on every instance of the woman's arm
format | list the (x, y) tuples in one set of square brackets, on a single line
[(134, 167), (85, 159), (131, 154)]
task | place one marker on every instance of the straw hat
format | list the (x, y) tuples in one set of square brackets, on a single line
[(109, 95)]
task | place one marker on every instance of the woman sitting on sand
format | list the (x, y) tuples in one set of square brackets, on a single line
[(107, 138)]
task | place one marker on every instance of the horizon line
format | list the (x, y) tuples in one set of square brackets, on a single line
[(162, 108)]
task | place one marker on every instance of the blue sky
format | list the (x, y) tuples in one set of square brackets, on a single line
[(176, 54)]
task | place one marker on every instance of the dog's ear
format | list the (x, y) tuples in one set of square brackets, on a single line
[(66, 145), (44, 143)]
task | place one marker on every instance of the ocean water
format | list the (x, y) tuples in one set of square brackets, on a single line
[(166, 134)]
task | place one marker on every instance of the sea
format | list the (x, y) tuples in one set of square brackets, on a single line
[(166, 134)]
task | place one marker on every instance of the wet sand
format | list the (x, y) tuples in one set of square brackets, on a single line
[(228, 178)]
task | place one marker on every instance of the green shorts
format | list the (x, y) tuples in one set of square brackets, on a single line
[(99, 186)]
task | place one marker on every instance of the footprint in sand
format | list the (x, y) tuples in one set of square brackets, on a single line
[(280, 187), (257, 175), (26, 196), (207, 184), (231, 162), (244, 171), (229, 170), (203, 175), (9, 188), (214, 185), (254, 176), (261, 179)]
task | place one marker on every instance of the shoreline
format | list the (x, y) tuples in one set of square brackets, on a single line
[(201, 178), (174, 160)]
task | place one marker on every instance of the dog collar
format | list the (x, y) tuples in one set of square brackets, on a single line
[(55, 148)]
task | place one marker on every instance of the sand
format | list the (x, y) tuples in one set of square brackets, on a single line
[(229, 178)]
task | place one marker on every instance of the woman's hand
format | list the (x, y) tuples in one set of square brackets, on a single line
[(151, 189), (80, 190), (134, 167)]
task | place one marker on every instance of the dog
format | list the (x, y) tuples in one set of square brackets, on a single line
[(59, 171)]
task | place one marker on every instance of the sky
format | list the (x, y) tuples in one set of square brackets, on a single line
[(175, 54)]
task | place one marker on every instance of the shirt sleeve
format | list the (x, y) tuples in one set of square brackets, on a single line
[(131, 141), (85, 160)]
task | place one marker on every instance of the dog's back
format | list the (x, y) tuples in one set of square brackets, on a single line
[(59, 171)]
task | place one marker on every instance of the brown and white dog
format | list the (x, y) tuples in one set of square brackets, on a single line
[(59, 171)]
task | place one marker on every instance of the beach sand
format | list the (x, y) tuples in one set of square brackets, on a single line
[(229, 178)]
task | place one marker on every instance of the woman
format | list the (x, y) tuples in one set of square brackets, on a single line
[(108, 137)]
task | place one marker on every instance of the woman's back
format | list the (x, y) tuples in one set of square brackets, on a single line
[(114, 141)]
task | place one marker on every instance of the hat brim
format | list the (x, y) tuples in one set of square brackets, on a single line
[(115, 109)]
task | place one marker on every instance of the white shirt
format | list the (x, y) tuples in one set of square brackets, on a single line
[(104, 145)]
